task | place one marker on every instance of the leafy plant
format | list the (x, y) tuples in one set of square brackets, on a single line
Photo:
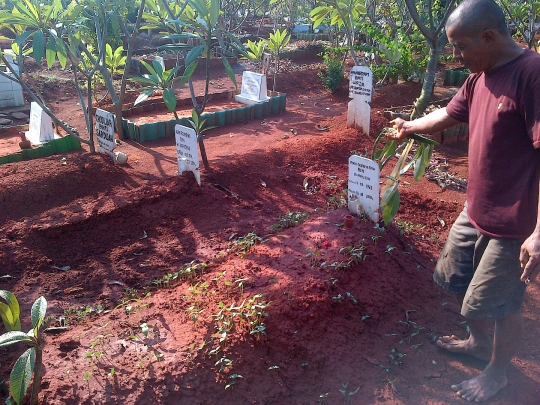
[(202, 19), (390, 194), (10, 311), (278, 40), (200, 127), (30, 361), (333, 76), (346, 393), (159, 79), (245, 243), (355, 253), (115, 60), (291, 219), (255, 50)]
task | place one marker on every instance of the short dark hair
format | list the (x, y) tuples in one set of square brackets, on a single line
[(476, 16)]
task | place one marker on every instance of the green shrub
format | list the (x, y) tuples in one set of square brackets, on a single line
[(334, 68)]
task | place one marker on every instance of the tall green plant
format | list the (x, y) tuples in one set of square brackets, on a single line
[(430, 18), (200, 126), (390, 194), (159, 79), (200, 24), (278, 40), (30, 361), (344, 15)]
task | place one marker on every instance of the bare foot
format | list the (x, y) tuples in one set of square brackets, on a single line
[(465, 346), (482, 387)]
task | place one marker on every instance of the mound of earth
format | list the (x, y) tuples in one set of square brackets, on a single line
[(248, 289)]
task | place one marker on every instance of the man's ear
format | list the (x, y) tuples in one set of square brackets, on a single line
[(489, 36)]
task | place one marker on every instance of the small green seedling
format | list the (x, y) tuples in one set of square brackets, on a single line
[(347, 394), (291, 219), (30, 362)]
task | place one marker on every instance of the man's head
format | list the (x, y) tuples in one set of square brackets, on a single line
[(477, 30)]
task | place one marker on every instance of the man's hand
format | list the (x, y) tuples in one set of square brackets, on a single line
[(399, 125), (530, 257)]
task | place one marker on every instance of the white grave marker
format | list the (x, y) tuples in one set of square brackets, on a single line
[(40, 129), (253, 89), (161, 61), (360, 86), (105, 131), (364, 186), (186, 148)]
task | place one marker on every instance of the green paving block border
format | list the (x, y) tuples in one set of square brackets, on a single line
[(276, 104), (50, 148)]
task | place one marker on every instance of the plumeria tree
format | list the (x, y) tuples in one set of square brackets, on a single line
[(74, 32)]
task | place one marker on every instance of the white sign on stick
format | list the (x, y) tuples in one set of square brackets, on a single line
[(253, 88), (40, 129), (360, 90), (105, 131), (363, 186), (186, 149)]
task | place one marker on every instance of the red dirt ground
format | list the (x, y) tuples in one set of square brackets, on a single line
[(363, 334)]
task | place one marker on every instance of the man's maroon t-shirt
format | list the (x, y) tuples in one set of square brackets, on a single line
[(502, 107)]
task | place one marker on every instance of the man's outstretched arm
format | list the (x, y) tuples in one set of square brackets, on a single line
[(429, 124)]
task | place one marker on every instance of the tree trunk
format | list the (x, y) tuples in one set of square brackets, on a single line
[(429, 82), (203, 152)]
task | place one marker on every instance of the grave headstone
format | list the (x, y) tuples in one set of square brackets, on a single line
[(360, 89), (186, 149), (105, 131), (364, 177), (40, 128), (253, 88)]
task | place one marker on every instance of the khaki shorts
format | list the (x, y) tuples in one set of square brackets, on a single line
[(485, 270)]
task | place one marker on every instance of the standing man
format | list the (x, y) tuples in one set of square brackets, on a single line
[(493, 249)]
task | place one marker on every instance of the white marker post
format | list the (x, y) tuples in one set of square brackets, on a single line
[(364, 178), (253, 89), (105, 131), (40, 129), (186, 149), (360, 89)]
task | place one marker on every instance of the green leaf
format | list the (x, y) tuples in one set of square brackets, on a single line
[(229, 70), (170, 99), (390, 202), (14, 310), (144, 95), (184, 35), (214, 12), (22, 38), (190, 69), (150, 69), (7, 317), (158, 67), (194, 54), (61, 54), (38, 311), (21, 374), (195, 119), (422, 139), (37, 45), (146, 80), (13, 337), (50, 52)]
